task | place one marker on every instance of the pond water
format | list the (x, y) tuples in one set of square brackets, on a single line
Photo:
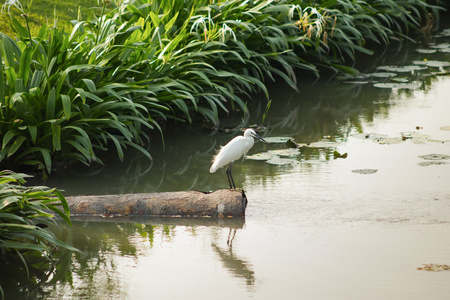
[(316, 226)]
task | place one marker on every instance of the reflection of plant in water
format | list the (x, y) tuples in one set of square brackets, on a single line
[(95, 272), (107, 248), (17, 282), (330, 111)]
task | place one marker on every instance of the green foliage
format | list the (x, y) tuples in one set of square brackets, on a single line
[(50, 13), (67, 97), (25, 212), (57, 105)]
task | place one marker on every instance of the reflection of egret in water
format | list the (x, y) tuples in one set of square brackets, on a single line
[(231, 236), (238, 267)]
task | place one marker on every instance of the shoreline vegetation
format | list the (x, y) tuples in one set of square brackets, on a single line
[(69, 96)]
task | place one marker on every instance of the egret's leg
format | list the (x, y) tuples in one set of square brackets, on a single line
[(230, 178), (228, 175)]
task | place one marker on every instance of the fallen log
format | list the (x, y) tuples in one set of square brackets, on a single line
[(221, 204)]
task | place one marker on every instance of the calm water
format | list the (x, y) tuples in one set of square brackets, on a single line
[(314, 229)]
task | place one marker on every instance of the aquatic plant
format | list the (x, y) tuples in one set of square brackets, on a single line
[(25, 215)]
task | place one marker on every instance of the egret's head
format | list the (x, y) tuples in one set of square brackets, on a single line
[(252, 133)]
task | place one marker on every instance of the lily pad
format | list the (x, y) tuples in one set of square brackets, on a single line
[(360, 77), (259, 156), (400, 79), (432, 63), (434, 156), (441, 46), (383, 74), (290, 152), (426, 51), (274, 156), (365, 171), (395, 85), (445, 128), (434, 267), (368, 136), (277, 139), (419, 137), (432, 163), (402, 69), (291, 144), (388, 141)]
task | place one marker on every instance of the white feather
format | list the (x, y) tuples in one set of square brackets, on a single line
[(233, 150)]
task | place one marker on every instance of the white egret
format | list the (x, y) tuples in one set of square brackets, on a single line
[(233, 151)]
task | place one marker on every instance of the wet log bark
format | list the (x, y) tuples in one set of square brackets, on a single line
[(221, 204)]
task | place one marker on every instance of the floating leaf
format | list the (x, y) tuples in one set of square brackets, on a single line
[(445, 128), (402, 69), (441, 46), (434, 156), (434, 267), (259, 156), (394, 85), (365, 136), (383, 74), (291, 144), (277, 140), (432, 63), (388, 141), (344, 77), (418, 137), (338, 155), (432, 163), (365, 171), (400, 79), (426, 51), (290, 152)]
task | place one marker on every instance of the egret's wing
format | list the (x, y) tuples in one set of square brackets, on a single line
[(228, 153)]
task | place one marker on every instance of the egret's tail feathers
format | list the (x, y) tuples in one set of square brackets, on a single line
[(213, 168)]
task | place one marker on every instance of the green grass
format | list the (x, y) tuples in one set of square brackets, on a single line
[(43, 12)]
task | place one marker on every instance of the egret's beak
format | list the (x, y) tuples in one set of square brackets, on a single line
[(258, 137)]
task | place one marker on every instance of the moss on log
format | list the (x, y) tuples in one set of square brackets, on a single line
[(221, 204)]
